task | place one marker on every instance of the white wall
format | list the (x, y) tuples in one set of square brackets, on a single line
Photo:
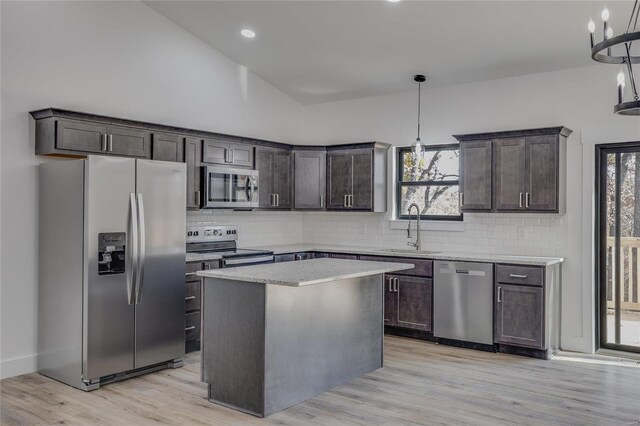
[(119, 59), (581, 99)]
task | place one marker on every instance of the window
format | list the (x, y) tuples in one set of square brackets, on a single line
[(431, 182)]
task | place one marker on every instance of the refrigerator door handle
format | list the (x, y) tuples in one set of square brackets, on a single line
[(141, 250), (132, 273)]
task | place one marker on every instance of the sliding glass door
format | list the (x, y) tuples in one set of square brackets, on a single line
[(619, 246)]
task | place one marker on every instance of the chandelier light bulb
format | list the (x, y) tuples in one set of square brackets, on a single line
[(621, 79), (605, 14), (609, 32), (591, 26)]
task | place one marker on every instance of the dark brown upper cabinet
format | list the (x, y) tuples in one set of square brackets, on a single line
[(193, 159), (475, 176), (525, 170), (275, 177), (63, 135), (221, 151), (357, 177), (310, 168), (509, 173), (167, 147)]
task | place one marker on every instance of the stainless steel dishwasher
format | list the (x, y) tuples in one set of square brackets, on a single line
[(463, 301)]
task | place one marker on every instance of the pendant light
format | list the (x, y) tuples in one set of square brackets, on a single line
[(417, 145)]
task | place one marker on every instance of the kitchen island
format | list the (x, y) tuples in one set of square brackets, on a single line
[(275, 335)]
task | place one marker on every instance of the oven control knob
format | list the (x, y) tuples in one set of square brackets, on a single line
[(190, 234), (216, 232), (195, 233)]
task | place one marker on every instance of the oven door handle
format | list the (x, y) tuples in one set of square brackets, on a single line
[(246, 261)]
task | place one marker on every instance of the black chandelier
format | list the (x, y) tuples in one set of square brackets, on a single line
[(617, 50)]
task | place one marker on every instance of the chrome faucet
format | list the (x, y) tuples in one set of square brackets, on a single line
[(417, 243)]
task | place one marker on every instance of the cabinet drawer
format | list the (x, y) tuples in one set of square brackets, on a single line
[(192, 296), (289, 257), (343, 256), (515, 274), (192, 268), (192, 326), (422, 267)]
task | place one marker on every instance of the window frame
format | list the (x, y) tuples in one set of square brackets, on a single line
[(400, 183)]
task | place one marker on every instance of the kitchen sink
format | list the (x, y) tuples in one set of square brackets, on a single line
[(408, 251)]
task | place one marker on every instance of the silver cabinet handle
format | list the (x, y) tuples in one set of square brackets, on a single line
[(272, 201), (226, 155), (322, 201), (189, 298), (499, 294), (396, 284), (520, 202), (191, 327), (132, 274), (527, 200), (197, 196), (277, 200), (231, 156), (142, 249), (517, 276), (351, 200), (461, 199), (207, 266), (110, 143), (390, 281), (103, 146), (346, 200)]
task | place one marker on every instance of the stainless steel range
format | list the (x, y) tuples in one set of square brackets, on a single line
[(219, 242)]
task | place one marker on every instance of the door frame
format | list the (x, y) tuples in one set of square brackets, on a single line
[(600, 270)]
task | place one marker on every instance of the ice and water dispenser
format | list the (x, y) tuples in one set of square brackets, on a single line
[(111, 253)]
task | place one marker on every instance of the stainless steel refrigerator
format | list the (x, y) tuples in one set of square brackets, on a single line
[(111, 268)]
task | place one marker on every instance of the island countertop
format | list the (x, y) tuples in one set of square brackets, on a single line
[(305, 272)]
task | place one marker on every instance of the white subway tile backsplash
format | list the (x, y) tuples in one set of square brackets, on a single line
[(503, 233)]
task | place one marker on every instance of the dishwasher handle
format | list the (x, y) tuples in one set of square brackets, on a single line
[(463, 272)]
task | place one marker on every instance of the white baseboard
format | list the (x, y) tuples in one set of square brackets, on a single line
[(18, 366)]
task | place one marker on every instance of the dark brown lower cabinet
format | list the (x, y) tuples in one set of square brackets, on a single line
[(519, 315), (412, 302), (193, 305)]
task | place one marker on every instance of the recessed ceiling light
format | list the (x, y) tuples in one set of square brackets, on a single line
[(393, 1), (248, 33)]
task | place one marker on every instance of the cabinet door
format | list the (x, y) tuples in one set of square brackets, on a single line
[(214, 151), (264, 166), (310, 179), (128, 141), (241, 155), (414, 297), (192, 152), (339, 179), (389, 300), (475, 175), (166, 147), (81, 136), (519, 318), (282, 178), (362, 184), (509, 174), (542, 173)]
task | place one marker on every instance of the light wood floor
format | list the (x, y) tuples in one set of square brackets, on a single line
[(421, 383)]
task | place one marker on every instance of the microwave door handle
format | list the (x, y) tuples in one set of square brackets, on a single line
[(132, 248), (249, 189), (142, 250)]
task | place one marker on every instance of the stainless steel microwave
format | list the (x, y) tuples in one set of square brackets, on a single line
[(229, 188)]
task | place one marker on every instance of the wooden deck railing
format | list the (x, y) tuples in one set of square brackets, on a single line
[(629, 270)]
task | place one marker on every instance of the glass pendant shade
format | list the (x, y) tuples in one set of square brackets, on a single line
[(417, 149)]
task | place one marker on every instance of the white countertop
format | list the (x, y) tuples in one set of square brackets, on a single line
[(305, 272), (435, 255)]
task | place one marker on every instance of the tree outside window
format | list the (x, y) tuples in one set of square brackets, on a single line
[(431, 181)]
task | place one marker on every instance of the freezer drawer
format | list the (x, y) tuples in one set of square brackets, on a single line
[(463, 301)]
